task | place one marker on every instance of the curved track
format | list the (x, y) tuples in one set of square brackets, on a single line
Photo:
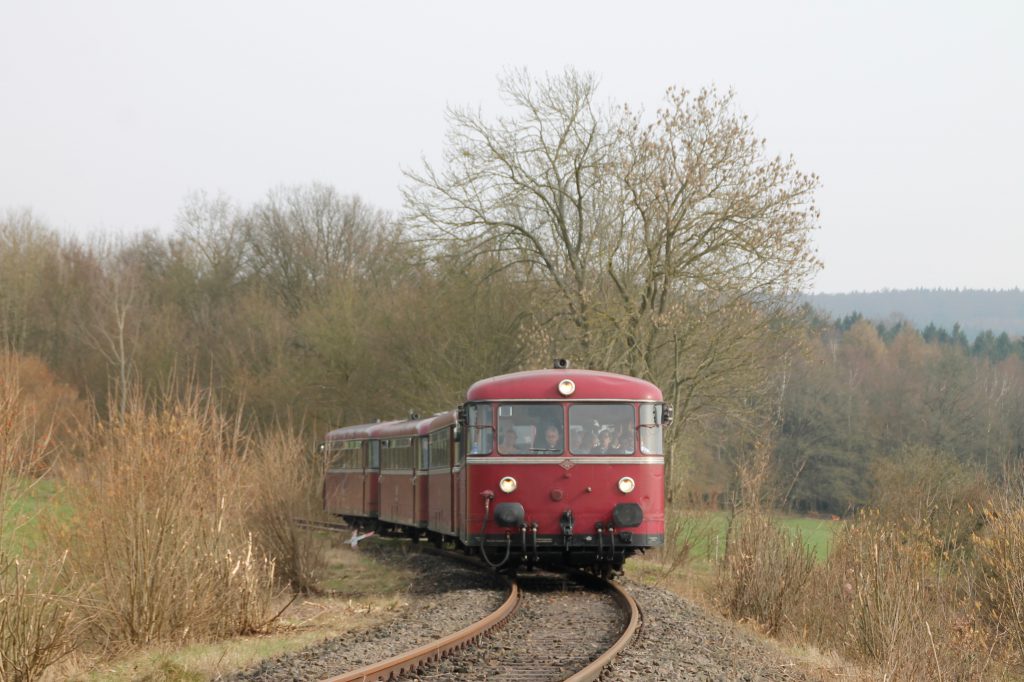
[(568, 627), (560, 627)]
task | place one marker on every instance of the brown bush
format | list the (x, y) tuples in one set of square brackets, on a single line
[(1000, 577), (687, 533), (933, 496), (885, 598), (764, 570), (158, 538), (284, 486), (37, 624)]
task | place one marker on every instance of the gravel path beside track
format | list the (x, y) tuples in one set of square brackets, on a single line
[(681, 641), (447, 597)]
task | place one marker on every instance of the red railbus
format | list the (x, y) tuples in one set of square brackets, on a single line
[(557, 467)]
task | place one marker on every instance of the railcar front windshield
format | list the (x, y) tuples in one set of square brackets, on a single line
[(602, 429), (531, 429)]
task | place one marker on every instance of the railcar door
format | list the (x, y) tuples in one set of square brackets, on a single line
[(371, 481), (459, 475), (421, 481)]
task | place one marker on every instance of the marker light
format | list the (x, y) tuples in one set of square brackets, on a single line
[(566, 387), (508, 484), (626, 484)]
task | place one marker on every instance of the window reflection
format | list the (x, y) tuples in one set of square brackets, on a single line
[(602, 429), (530, 429)]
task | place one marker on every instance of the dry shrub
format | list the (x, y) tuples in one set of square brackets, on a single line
[(688, 532), (884, 597), (764, 570), (158, 537), (37, 624), (284, 487), (1000, 577), (938, 499)]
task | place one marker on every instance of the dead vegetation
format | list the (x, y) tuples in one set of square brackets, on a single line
[(38, 621), (926, 588), (179, 529)]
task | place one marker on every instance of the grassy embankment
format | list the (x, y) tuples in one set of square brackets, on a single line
[(358, 591)]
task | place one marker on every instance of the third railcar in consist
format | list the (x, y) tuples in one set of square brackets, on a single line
[(558, 467)]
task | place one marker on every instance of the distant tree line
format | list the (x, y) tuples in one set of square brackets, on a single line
[(985, 344), (974, 310)]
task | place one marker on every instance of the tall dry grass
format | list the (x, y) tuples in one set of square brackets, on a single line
[(1000, 576), (284, 484), (922, 587), (764, 570), (159, 539), (886, 598), (38, 623)]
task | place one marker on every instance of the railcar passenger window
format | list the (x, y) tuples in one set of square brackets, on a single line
[(651, 417), (346, 454), (439, 449), (602, 429), (374, 454)]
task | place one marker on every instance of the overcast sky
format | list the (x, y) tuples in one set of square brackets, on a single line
[(911, 113)]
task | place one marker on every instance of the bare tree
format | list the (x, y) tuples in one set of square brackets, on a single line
[(672, 249), (302, 238), (666, 244)]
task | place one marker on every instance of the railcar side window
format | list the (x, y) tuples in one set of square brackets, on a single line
[(531, 429), (650, 429), (374, 454), (439, 457), (479, 429), (397, 453), (602, 429), (346, 454)]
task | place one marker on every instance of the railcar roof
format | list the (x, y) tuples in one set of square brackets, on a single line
[(437, 421), (358, 431), (543, 385)]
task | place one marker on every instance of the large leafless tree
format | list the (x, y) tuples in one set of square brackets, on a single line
[(670, 247)]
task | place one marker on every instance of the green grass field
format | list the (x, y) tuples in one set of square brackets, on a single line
[(707, 531), (27, 509)]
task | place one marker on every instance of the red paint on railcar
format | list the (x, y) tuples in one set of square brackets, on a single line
[(543, 385)]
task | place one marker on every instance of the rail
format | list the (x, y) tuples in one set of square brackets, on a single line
[(428, 653)]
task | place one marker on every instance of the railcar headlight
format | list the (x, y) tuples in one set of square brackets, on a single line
[(626, 484), (566, 387), (507, 484)]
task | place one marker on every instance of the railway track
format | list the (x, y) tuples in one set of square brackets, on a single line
[(566, 628), (556, 627)]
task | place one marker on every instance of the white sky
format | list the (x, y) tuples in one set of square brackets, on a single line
[(912, 113)]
